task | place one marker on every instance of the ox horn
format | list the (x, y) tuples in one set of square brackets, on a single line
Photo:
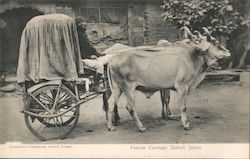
[(199, 35), (187, 32), (206, 32)]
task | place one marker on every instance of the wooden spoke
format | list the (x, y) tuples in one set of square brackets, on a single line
[(45, 127), (47, 97), (40, 103)]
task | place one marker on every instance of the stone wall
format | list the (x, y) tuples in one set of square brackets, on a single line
[(107, 22), (155, 27), (146, 25), (136, 23)]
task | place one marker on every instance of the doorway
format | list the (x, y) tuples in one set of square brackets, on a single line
[(10, 36)]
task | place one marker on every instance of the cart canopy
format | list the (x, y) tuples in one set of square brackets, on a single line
[(49, 49)]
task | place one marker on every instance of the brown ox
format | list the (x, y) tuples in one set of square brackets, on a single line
[(180, 67)]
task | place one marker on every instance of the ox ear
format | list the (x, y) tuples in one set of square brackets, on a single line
[(202, 46)]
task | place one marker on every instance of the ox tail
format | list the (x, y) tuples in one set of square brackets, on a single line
[(107, 94), (109, 78)]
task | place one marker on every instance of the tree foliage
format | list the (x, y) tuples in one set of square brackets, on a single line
[(218, 16)]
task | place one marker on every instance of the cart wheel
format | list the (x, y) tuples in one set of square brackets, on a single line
[(41, 103)]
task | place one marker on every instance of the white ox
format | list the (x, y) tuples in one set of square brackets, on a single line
[(164, 94), (180, 67)]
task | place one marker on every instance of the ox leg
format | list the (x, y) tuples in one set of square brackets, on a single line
[(113, 100), (131, 108), (165, 98), (116, 117), (105, 97), (181, 99)]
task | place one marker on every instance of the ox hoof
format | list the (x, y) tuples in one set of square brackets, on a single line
[(116, 122), (172, 117), (111, 128), (142, 130), (187, 126), (165, 117)]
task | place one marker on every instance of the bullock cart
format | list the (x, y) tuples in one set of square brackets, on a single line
[(54, 80)]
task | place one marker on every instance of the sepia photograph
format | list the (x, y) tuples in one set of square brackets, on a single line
[(124, 78)]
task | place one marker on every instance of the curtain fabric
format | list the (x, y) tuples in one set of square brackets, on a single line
[(49, 49)]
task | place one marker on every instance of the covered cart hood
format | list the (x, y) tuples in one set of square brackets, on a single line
[(49, 49)]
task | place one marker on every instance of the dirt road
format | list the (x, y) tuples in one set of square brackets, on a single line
[(219, 113)]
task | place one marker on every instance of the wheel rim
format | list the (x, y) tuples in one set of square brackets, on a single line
[(58, 127)]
